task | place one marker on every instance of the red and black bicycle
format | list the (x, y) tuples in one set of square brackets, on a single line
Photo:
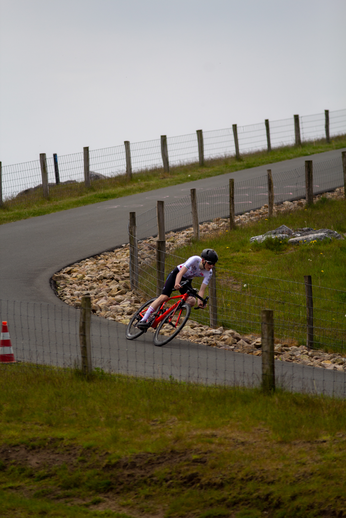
[(168, 320)]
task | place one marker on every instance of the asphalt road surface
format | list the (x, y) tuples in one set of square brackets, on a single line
[(32, 250)]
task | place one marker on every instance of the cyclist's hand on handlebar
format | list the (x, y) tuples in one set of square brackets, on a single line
[(202, 303), (177, 286)]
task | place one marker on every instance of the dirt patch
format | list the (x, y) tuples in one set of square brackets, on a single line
[(121, 481), (52, 453), (156, 469), (42, 454), (144, 484)]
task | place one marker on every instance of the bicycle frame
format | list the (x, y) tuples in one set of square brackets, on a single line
[(161, 316)]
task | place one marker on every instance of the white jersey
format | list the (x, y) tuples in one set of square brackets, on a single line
[(193, 269)]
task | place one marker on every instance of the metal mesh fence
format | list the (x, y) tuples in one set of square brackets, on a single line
[(252, 138), (282, 133), (183, 149), (218, 143), (41, 334), (146, 155), (109, 161), (71, 167), (312, 127), (214, 203), (337, 121)]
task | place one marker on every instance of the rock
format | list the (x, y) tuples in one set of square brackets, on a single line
[(281, 232), (303, 235), (314, 235), (230, 341), (96, 176), (242, 343)]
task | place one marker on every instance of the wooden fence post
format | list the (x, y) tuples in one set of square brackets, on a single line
[(213, 300), (128, 160), (236, 141), (86, 159), (195, 223), (44, 174), (297, 130), (160, 213), (326, 116), (160, 265), (231, 205), (270, 193), (309, 188), (343, 157), (164, 153), (269, 146), (56, 169), (309, 312), (267, 338), (133, 251), (84, 334), (1, 201), (200, 147), (160, 246)]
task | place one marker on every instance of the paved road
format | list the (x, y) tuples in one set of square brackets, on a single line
[(31, 251)]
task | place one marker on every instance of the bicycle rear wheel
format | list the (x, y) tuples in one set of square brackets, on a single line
[(132, 331), (172, 324)]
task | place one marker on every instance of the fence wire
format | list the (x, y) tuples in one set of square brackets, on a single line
[(214, 203), (111, 162), (41, 334)]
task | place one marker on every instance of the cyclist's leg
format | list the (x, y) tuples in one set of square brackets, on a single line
[(132, 330), (153, 307), (191, 301), (166, 292)]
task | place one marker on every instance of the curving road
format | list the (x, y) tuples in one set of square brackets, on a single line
[(32, 250)]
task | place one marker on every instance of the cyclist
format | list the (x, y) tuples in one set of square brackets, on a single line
[(195, 266)]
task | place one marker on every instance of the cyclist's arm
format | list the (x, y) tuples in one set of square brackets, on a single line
[(201, 294), (179, 276)]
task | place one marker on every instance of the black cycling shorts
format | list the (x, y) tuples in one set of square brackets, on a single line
[(170, 282)]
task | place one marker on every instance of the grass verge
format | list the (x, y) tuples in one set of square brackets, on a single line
[(122, 447)]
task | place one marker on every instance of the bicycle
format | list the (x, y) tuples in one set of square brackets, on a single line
[(167, 321)]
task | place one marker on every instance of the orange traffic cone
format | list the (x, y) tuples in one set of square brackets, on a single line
[(6, 353)]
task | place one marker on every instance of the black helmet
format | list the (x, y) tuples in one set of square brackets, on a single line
[(210, 255)]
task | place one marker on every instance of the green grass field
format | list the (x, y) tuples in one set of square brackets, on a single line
[(121, 447)]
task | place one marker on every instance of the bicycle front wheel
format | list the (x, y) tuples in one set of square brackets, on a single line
[(132, 331), (172, 324)]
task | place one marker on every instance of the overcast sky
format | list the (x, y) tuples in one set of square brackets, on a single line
[(77, 73)]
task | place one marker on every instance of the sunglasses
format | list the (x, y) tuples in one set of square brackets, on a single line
[(211, 263)]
